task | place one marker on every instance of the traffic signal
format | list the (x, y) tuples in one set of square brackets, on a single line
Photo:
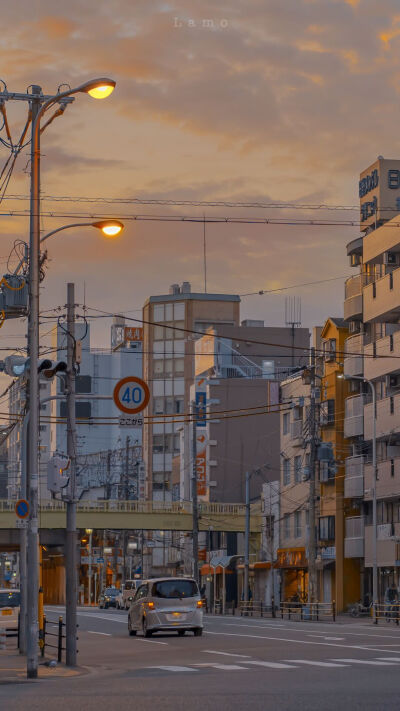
[(16, 366), (57, 477)]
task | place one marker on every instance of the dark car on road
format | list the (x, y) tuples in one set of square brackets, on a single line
[(108, 598)]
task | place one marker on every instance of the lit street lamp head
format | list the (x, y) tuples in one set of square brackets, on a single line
[(99, 88), (110, 228)]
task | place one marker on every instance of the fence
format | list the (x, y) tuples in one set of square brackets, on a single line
[(256, 608), (388, 612), (43, 643), (6, 632), (308, 611)]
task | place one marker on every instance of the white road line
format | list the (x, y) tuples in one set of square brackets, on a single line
[(296, 641), (102, 617), (223, 667), (264, 626), (333, 639), (105, 634), (174, 669), (370, 662), (389, 659), (315, 664), (151, 641), (273, 665), (225, 654)]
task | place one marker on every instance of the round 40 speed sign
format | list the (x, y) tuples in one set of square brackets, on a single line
[(131, 395)]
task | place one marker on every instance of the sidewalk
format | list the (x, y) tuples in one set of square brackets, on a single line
[(13, 668)]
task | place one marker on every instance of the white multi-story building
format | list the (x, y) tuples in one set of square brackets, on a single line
[(109, 456)]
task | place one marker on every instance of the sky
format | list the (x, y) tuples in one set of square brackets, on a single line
[(243, 101)]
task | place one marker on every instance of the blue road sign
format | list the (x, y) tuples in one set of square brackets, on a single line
[(22, 508), (99, 560)]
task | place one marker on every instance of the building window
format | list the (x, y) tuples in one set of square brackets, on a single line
[(83, 384), (327, 528), (286, 423), (329, 349), (391, 344), (327, 412), (298, 468), (392, 405), (286, 472), (158, 444), (391, 281), (83, 410), (297, 524), (286, 526), (392, 467)]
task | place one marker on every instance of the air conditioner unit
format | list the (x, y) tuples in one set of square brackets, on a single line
[(390, 258), (392, 382)]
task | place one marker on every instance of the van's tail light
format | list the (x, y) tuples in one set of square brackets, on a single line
[(150, 605), (199, 603)]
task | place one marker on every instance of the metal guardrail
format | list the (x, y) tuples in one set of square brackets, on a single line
[(7, 505), (388, 612), (308, 611), (256, 608), (44, 633)]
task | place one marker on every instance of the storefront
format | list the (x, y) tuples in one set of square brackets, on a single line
[(293, 567)]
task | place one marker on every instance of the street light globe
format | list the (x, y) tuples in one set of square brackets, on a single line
[(110, 228), (100, 88), (89, 530)]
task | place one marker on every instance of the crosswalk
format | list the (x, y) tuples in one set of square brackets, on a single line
[(284, 664)]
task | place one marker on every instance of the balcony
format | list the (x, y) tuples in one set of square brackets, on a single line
[(353, 359), (387, 418), (388, 548), (354, 537), (353, 304), (296, 433), (354, 478), (388, 482), (386, 351), (354, 416), (382, 299)]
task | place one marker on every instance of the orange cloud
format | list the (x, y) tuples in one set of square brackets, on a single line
[(56, 27)]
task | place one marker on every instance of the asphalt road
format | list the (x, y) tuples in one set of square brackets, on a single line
[(238, 663)]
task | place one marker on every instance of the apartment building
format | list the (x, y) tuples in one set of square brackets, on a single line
[(372, 309), (172, 324), (292, 554), (339, 577)]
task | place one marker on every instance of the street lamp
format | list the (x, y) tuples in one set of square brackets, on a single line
[(375, 477), (97, 88)]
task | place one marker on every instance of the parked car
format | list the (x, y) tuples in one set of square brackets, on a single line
[(10, 600), (130, 587), (165, 604), (108, 598)]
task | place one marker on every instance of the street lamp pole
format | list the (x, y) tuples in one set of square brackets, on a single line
[(98, 89)]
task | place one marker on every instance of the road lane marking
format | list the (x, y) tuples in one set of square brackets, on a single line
[(315, 664), (321, 636), (273, 665), (303, 631), (389, 659), (225, 654), (151, 641), (223, 667), (296, 641), (174, 668), (106, 634), (108, 618), (370, 662)]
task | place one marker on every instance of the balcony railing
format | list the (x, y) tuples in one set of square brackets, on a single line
[(354, 416), (296, 430), (354, 537), (353, 359), (354, 477)]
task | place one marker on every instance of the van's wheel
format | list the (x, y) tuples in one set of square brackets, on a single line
[(198, 632), (146, 632), (130, 630), (181, 633)]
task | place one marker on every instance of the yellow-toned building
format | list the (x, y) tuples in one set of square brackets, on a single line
[(339, 577)]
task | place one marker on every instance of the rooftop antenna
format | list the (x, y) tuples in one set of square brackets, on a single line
[(293, 317)]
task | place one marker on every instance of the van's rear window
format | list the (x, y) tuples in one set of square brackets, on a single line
[(175, 589)]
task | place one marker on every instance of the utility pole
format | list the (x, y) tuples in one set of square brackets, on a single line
[(126, 477), (195, 510), (32, 626), (71, 542), (247, 541), (312, 543)]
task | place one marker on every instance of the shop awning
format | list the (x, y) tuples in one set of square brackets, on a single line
[(208, 570)]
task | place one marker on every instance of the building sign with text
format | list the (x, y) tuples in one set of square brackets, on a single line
[(379, 192)]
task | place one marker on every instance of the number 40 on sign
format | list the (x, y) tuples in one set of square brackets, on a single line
[(131, 395)]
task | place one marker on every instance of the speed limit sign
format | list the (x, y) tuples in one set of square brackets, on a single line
[(131, 395)]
